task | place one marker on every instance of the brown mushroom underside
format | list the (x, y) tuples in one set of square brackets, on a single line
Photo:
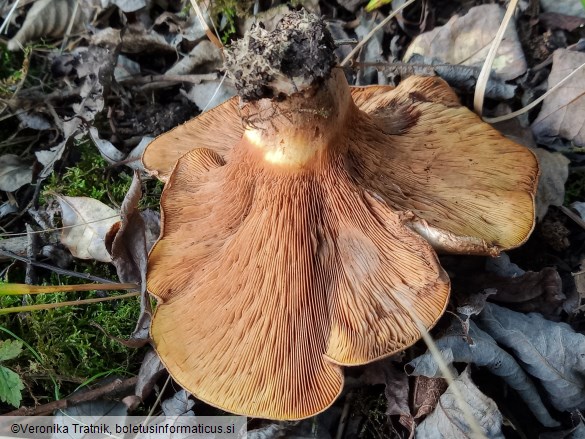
[(271, 272), (471, 189), (291, 251)]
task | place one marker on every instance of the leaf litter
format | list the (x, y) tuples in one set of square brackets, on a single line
[(130, 70)]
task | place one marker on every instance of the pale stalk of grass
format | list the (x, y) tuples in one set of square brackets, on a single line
[(212, 37), (344, 416), (69, 26), (486, 69), (29, 308), (56, 229), (157, 402), (578, 220), (364, 41), (448, 376), (476, 431), (9, 16), (535, 102), (215, 92), (8, 289)]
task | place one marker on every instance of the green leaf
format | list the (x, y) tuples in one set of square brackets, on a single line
[(10, 349), (375, 4), (10, 387)]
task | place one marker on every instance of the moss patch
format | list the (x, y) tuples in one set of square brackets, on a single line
[(71, 349)]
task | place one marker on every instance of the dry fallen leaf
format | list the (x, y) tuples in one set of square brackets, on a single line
[(49, 157), (479, 348), (567, 7), (126, 243), (448, 419), (466, 40), (554, 171), (178, 405), (86, 222), (151, 370), (127, 5), (135, 39), (47, 19), (563, 112), (14, 173), (524, 291), (108, 151), (203, 54), (551, 352)]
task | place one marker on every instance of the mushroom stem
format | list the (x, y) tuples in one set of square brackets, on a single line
[(301, 129)]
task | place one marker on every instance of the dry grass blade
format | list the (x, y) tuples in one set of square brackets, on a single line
[(573, 216), (471, 421), (212, 36), (372, 32), (54, 229), (62, 304), (535, 102), (446, 372), (484, 75), (9, 16), (70, 25), (9, 289)]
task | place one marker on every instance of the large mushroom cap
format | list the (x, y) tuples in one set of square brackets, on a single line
[(295, 249), (472, 189)]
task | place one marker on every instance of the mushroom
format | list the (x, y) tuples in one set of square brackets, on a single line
[(298, 223)]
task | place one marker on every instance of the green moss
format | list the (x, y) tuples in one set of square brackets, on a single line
[(226, 13), (66, 339), (370, 407), (575, 187), (71, 349), (13, 67), (90, 177)]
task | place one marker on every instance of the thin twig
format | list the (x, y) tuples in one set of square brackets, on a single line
[(57, 270), (70, 26), (193, 79), (486, 69), (573, 216), (534, 103), (364, 41)]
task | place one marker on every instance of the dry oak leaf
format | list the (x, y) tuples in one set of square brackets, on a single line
[(479, 348), (14, 173), (551, 352), (448, 419), (86, 222), (563, 112), (47, 19), (466, 40)]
